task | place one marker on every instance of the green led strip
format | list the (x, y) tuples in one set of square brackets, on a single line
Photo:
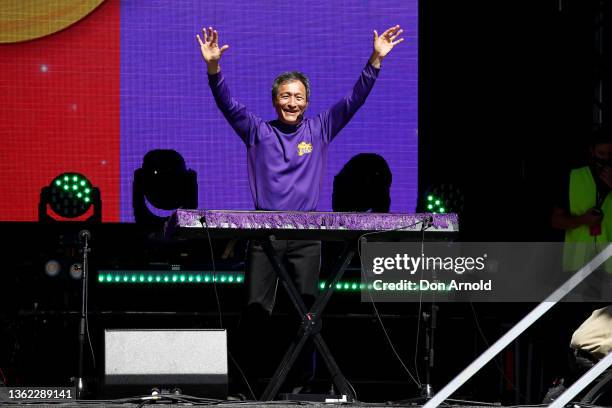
[(345, 286), (169, 277), (173, 278)]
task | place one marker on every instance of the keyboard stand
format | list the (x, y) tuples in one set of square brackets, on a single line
[(311, 323)]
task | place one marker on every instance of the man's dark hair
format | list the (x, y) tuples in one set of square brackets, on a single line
[(290, 76), (603, 134)]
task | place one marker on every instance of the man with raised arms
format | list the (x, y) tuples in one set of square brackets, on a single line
[(286, 158)]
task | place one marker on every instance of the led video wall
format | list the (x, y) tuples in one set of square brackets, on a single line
[(104, 82)]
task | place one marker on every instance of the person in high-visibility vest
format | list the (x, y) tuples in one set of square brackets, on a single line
[(585, 213), (583, 210), (586, 217)]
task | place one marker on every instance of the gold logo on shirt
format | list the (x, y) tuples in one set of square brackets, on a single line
[(304, 148)]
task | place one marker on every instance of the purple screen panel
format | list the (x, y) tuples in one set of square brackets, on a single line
[(166, 102)]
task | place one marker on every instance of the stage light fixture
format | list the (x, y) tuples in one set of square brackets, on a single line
[(52, 268), (435, 205), (442, 198), (76, 270), (162, 185), (69, 196), (363, 185)]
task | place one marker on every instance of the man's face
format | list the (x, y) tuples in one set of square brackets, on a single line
[(602, 151), (290, 102), (602, 155)]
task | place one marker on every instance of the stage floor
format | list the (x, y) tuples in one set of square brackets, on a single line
[(254, 404)]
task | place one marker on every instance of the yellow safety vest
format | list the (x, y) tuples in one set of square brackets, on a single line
[(582, 197)]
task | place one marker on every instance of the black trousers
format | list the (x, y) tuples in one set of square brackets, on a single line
[(302, 260)]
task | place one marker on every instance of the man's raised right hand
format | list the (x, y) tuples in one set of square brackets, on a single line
[(210, 49)]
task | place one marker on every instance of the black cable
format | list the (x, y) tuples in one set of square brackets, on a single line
[(418, 325), (352, 388), (386, 231), (491, 404), (486, 342), (382, 325), (85, 235), (145, 402), (161, 398), (4, 380), (583, 404), (93, 356), (243, 376), (186, 398), (212, 259)]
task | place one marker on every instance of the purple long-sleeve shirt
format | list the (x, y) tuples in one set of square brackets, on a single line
[(286, 162)]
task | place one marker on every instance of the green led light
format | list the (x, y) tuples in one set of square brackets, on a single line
[(86, 199), (429, 198), (231, 278), (441, 209), (437, 202), (87, 190), (66, 197), (430, 207)]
